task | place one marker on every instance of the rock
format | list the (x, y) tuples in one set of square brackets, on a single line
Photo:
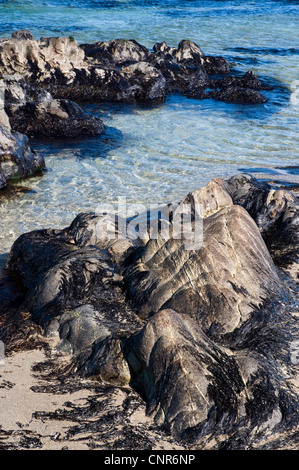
[(22, 34), (181, 78), (221, 285), (207, 200), (4, 120), (106, 363), (145, 82), (17, 159), (3, 180), (34, 112), (73, 289), (39, 61), (117, 51), (276, 213), (215, 65), (80, 328), (201, 389), (124, 71), (55, 119), (248, 80), (188, 53), (207, 336), (238, 95)]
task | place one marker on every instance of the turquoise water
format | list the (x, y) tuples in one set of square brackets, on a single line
[(158, 154)]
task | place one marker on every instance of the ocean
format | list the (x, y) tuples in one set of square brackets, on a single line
[(157, 154)]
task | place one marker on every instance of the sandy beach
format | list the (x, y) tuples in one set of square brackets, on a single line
[(31, 419)]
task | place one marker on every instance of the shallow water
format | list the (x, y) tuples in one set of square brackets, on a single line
[(158, 154)]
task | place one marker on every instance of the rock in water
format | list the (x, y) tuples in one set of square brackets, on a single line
[(240, 96), (203, 389), (22, 34), (117, 51), (17, 159), (123, 70)]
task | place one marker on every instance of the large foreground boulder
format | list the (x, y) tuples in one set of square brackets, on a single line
[(122, 70), (207, 335), (204, 389)]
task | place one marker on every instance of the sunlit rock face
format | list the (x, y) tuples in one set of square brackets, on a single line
[(206, 336)]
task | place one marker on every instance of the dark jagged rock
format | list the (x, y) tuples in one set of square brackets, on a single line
[(35, 113), (145, 82), (190, 54), (276, 213), (55, 119), (17, 159), (117, 51), (22, 34), (123, 70), (214, 355), (238, 95), (248, 80), (73, 290)]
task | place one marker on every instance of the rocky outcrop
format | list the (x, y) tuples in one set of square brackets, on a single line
[(206, 335), (34, 112), (39, 61), (17, 158), (220, 285), (276, 213), (117, 51), (204, 390), (123, 70)]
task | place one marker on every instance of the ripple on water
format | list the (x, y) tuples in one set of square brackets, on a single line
[(152, 155)]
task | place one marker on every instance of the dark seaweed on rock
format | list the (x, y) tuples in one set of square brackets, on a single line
[(206, 337)]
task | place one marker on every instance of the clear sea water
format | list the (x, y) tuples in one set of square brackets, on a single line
[(158, 154)]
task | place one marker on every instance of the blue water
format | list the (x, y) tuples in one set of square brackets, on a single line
[(158, 154)]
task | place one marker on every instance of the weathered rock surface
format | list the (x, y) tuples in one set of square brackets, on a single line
[(123, 70), (117, 51), (34, 112), (220, 285), (74, 291), (38, 61), (17, 159), (207, 337), (276, 213), (202, 388)]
